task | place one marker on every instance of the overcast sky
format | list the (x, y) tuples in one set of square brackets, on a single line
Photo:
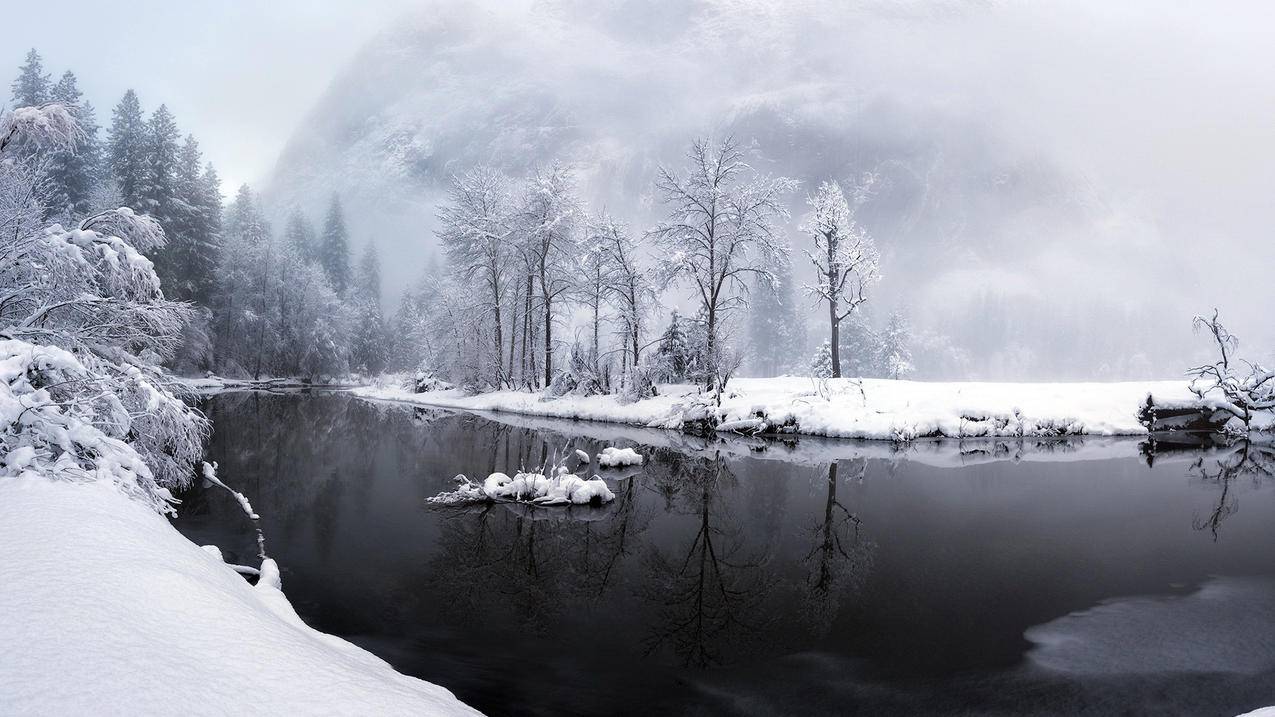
[(239, 74)]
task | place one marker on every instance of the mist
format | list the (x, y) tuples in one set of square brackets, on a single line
[(1097, 171)]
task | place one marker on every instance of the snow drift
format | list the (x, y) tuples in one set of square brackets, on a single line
[(89, 577)]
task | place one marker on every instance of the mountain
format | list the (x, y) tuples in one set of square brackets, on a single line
[(967, 206)]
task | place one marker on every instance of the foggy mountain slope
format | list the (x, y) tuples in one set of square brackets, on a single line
[(969, 204)]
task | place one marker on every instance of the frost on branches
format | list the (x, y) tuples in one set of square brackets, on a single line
[(83, 328)]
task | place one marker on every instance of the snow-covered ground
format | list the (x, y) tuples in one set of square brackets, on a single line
[(109, 610), (844, 408)]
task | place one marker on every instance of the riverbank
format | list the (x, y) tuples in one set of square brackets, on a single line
[(110, 610), (879, 409)]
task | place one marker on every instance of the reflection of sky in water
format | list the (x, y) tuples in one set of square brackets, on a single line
[(740, 577)]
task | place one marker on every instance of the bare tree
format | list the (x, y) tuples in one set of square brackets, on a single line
[(476, 230), (1242, 395), (844, 256), (722, 226), (550, 222), (630, 288)]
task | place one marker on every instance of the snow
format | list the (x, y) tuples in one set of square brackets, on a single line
[(534, 488), (97, 577), (849, 408), (612, 457)]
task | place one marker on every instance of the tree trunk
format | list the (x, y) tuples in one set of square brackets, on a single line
[(836, 336), (710, 348)]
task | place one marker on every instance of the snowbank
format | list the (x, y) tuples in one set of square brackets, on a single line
[(109, 610), (845, 408)]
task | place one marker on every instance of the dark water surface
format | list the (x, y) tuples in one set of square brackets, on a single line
[(833, 577)]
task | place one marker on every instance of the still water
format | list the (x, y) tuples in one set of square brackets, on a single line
[(746, 577)]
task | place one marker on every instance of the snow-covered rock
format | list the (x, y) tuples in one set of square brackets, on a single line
[(109, 610), (612, 457), (534, 488)]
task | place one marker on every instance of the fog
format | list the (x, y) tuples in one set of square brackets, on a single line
[(1091, 173)]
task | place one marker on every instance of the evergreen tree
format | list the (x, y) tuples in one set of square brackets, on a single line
[(159, 183), (821, 362), (368, 350), (673, 353), (776, 330), (74, 175), (32, 86), (860, 347), (127, 156), (334, 249), (896, 351), (194, 216), (300, 237)]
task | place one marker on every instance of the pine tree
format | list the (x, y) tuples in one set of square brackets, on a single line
[(300, 237), (194, 217), (776, 330), (674, 351), (334, 249), (162, 150), (368, 350), (32, 86), (860, 347), (821, 362), (896, 352), (127, 154), (74, 175)]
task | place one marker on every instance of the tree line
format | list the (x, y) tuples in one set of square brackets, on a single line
[(290, 305)]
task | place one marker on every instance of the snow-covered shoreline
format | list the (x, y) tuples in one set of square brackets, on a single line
[(879, 409), (115, 612)]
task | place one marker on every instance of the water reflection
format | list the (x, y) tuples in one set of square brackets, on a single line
[(750, 569), (707, 590)]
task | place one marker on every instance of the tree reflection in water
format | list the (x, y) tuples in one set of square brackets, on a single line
[(839, 559), (707, 595), (1245, 459)]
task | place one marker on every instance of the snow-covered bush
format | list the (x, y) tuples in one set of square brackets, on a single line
[(639, 383), (424, 381), (83, 328), (578, 378)]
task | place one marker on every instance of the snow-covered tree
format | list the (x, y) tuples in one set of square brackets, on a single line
[(300, 235), (673, 352), (127, 140), (776, 326), (844, 256), (860, 347), (368, 350), (162, 148), (476, 226), (896, 352), (334, 248), (821, 362), (83, 327), (74, 174), (630, 287), (33, 86), (550, 218), (721, 228)]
